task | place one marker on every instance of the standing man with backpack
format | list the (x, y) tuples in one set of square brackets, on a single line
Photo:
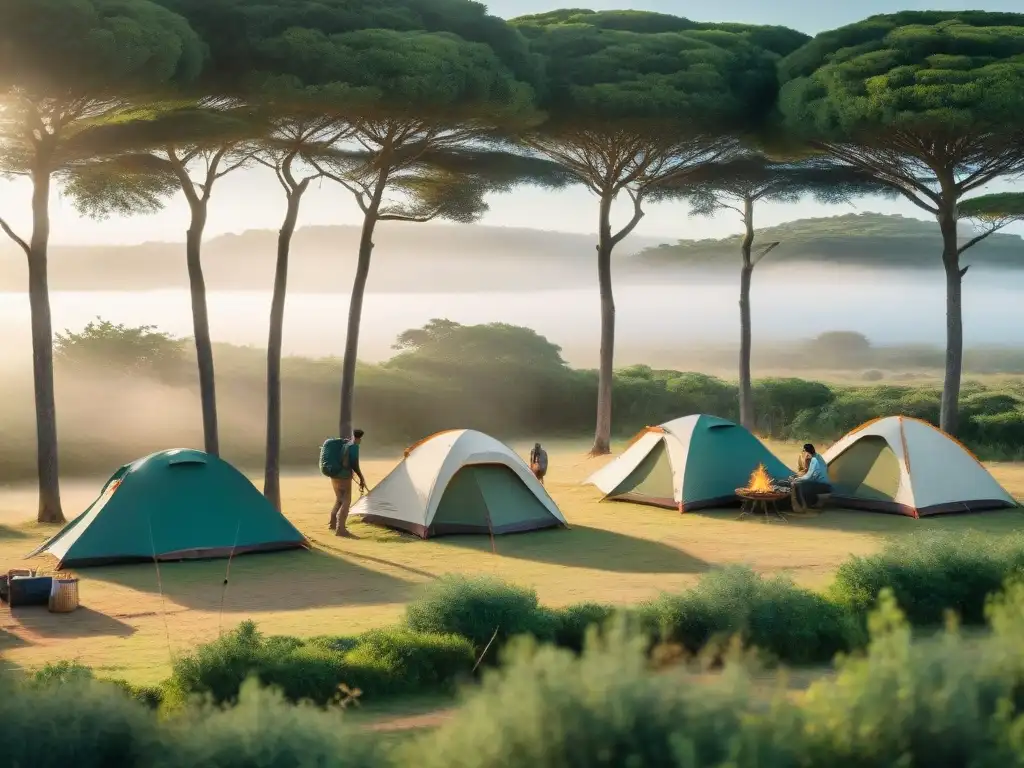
[(339, 460)]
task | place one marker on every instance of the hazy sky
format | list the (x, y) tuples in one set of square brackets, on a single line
[(252, 199)]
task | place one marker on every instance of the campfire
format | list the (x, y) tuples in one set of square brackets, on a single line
[(759, 484)]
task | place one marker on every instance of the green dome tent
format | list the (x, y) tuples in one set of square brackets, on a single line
[(690, 463), (172, 505)]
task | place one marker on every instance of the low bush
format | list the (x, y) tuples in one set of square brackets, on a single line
[(412, 662), (73, 721), (947, 702), (773, 615), (263, 729), (479, 608), (572, 622), (930, 574), (380, 663)]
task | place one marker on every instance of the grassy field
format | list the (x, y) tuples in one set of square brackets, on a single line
[(134, 619)]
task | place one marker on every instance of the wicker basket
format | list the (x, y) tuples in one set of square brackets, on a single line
[(64, 594)]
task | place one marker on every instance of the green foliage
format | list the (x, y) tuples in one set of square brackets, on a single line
[(95, 48), (772, 615), (949, 701), (265, 730), (119, 349), (931, 573), (523, 389), (548, 707), (1001, 207), (955, 71), (477, 608), (61, 673), (411, 662), (68, 719), (573, 622), (730, 184), (635, 65), (380, 663)]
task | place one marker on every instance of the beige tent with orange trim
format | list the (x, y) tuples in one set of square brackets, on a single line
[(460, 481), (904, 465)]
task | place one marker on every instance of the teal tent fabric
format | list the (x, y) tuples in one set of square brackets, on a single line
[(173, 505), (689, 463)]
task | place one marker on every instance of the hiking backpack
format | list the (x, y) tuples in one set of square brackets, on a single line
[(333, 456)]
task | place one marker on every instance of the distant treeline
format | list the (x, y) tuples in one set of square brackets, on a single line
[(124, 393), (872, 240)]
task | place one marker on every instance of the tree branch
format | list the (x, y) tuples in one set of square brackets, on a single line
[(399, 217), (13, 235), (638, 213), (975, 240), (767, 249)]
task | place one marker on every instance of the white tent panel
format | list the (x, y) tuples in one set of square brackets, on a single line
[(942, 471), (413, 489), (675, 433), (936, 472)]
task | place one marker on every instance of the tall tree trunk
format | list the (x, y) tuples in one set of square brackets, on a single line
[(201, 325), (747, 418), (606, 369), (355, 307), (949, 408), (272, 469), (50, 510)]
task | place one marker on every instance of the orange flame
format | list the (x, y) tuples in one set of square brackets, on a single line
[(760, 481)]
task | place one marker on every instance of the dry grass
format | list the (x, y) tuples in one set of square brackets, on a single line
[(615, 553)]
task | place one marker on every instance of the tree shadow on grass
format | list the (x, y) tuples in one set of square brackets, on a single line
[(585, 547), (80, 623), (277, 581), (999, 522), (9, 534)]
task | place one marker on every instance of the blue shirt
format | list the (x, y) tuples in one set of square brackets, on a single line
[(817, 471)]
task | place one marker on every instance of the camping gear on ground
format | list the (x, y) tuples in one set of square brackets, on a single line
[(460, 481), (333, 456), (173, 505), (690, 463), (26, 588), (904, 465), (64, 594)]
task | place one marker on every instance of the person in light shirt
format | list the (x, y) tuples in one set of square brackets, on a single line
[(814, 482)]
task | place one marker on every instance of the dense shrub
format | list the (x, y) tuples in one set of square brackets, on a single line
[(549, 708), (378, 663), (951, 703), (931, 573), (413, 662), (772, 615), (478, 608), (947, 701), (572, 622), (265, 731), (73, 721)]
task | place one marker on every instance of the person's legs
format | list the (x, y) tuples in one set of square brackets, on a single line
[(336, 486), (344, 505), (810, 491)]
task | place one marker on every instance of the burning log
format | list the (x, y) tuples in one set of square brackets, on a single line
[(760, 484)]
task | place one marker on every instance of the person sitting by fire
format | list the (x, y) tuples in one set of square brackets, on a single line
[(814, 481)]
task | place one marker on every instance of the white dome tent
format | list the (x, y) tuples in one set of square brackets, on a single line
[(906, 466), (460, 481)]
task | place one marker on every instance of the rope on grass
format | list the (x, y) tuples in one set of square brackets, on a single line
[(227, 573), (160, 588)]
